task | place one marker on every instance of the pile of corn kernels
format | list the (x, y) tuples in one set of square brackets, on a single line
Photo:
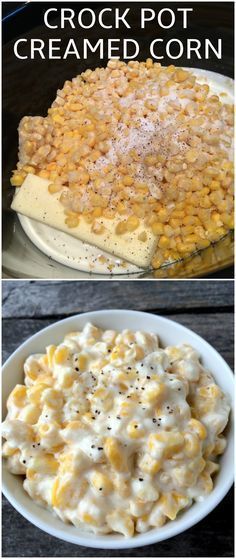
[(141, 142)]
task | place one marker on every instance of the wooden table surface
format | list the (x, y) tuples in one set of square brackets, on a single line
[(204, 306)]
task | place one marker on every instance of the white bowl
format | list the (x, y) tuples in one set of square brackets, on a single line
[(170, 333)]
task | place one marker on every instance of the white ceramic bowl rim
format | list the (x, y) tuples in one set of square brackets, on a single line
[(197, 511)]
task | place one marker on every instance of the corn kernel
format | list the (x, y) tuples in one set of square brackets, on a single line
[(18, 395), (45, 465), (157, 228), (34, 393), (72, 221), (121, 228), (164, 242), (30, 414), (142, 236), (135, 430), (149, 465), (191, 155), (132, 223), (120, 521), (58, 119), (31, 474), (8, 450), (17, 179), (52, 398), (113, 453), (101, 482), (53, 188), (60, 355), (155, 393), (180, 75), (198, 427), (98, 228), (150, 159), (89, 519), (192, 445), (127, 180), (172, 442)]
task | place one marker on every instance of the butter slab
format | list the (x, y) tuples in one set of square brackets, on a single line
[(33, 200)]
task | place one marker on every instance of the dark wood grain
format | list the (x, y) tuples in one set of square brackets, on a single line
[(204, 306), (57, 298)]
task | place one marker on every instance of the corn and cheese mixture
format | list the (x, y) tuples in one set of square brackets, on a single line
[(144, 143), (113, 433)]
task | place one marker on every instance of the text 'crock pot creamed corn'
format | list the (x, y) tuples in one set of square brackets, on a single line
[(146, 144), (113, 433)]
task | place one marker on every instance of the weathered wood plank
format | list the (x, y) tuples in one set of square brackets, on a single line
[(216, 328), (39, 298)]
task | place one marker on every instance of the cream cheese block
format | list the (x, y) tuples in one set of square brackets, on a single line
[(33, 200)]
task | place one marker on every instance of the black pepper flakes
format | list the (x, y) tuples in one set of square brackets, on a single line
[(148, 378), (140, 478)]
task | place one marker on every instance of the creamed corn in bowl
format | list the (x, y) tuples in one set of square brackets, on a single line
[(113, 433)]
